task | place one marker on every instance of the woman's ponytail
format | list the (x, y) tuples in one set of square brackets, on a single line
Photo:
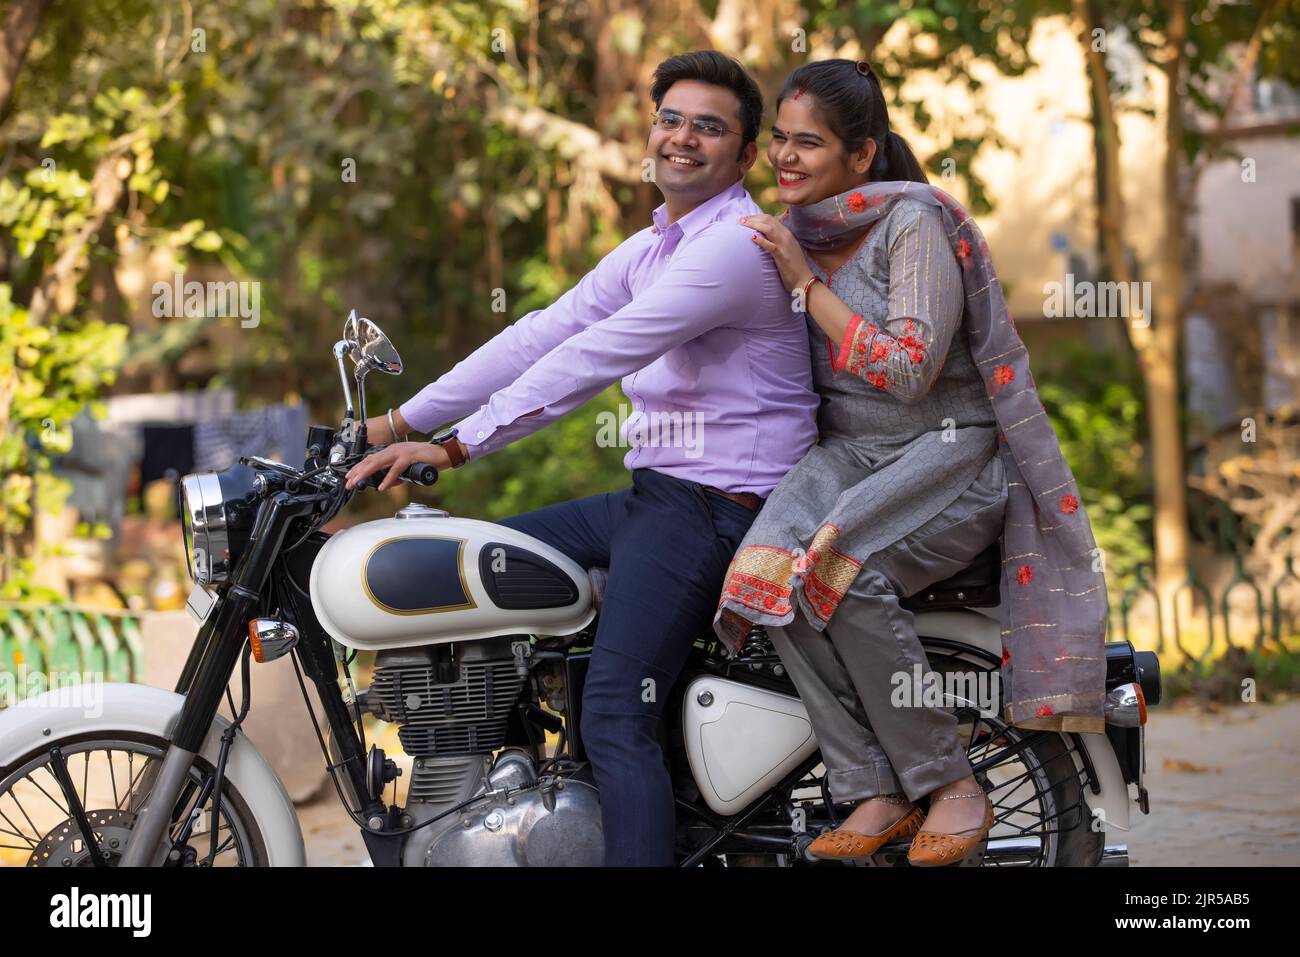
[(895, 160)]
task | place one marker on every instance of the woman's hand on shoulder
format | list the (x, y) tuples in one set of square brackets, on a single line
[(773, 236)]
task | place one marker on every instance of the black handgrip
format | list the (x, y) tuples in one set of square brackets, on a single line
[(421, 473), (418, 473)]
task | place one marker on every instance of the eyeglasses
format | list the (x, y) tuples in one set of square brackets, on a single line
[(671, 121)]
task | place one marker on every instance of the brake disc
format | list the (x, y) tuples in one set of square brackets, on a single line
[(64, 846)]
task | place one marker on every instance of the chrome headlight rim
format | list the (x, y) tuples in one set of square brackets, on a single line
[(204, 528)]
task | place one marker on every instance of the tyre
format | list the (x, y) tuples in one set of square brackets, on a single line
[(111, 772)]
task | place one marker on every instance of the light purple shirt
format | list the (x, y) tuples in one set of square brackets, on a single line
[(694, 319)]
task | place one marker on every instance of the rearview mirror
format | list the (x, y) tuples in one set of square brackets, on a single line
[(370, 349)]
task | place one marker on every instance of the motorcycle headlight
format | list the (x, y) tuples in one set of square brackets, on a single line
[(217, 512)]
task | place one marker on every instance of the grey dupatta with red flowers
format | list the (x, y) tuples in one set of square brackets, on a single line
[(1054, 604)]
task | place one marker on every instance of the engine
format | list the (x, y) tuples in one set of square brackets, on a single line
[(452, 704)]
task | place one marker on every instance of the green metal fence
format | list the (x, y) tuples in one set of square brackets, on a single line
[(1219, 526), (56, 641)]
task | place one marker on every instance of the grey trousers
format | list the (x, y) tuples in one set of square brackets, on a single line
[(845, 673)]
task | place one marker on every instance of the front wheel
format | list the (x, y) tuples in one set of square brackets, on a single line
[(111, 773)]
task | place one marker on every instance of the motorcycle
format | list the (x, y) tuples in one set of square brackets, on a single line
[(481, 637)]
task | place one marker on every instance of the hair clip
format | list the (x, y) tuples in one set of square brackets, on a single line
[(863, 68)]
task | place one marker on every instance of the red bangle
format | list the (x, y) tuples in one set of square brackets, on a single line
[(806, 286)]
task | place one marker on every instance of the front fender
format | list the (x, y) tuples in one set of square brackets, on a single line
[(47, 718)]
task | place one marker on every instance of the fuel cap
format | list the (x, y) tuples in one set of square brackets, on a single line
[(416, 510)]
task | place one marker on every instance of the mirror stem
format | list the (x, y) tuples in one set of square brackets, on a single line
[(341, 350), (361, 403)]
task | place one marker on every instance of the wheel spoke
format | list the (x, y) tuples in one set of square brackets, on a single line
[(46, 768), (16, 832), (135, 777), (14, 797), (112, 777)]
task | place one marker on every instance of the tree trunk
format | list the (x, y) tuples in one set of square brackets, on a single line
[(1156, 343), (21, 22), (1162, 354)]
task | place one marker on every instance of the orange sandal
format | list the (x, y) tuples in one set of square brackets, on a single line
[(843, 844), (936, 849)]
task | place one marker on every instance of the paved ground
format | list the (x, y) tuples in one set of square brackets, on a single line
[(1224, 783), (1225, 787)]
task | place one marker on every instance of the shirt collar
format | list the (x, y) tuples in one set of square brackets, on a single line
[(701, 215)]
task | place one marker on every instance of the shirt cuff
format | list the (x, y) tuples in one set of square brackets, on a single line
[(841, 357), (475, 433)]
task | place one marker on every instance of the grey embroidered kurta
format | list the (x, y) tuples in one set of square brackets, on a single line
[(890, 459), (899, 444)]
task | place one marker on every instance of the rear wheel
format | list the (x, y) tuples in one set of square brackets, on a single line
[(1032, 778), (111, 773)]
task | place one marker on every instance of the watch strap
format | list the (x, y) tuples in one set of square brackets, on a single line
[(455, 451)]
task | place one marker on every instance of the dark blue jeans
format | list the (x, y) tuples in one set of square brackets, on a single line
[(667, 544)]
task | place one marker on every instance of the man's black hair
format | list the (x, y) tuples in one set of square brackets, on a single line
[(710, 66)]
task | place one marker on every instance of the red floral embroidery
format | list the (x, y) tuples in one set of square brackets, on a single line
[(870, 331), (857, 202), (826, 609), (769, 601), (1003, 374), (878, 380), (1006, 655), (914, 346), (1069, 503), (963, 248), (1002, 437), (880, 349), (1044, 710), (1024, 575)]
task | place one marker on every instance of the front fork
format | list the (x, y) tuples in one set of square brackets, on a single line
[(208, 670)]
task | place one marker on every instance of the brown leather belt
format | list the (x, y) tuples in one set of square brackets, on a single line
[(746, 499)]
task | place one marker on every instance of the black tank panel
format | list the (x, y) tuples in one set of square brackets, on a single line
[(417, 574)]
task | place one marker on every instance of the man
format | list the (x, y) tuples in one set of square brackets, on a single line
[(693, 314)]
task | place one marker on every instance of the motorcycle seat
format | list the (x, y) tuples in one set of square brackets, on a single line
[(978, 585)]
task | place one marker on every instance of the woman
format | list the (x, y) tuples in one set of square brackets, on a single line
[(933, 446)]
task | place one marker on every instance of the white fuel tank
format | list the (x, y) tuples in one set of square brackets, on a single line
[(424, 578)]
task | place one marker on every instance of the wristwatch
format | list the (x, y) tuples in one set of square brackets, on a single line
[(455, 451)]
